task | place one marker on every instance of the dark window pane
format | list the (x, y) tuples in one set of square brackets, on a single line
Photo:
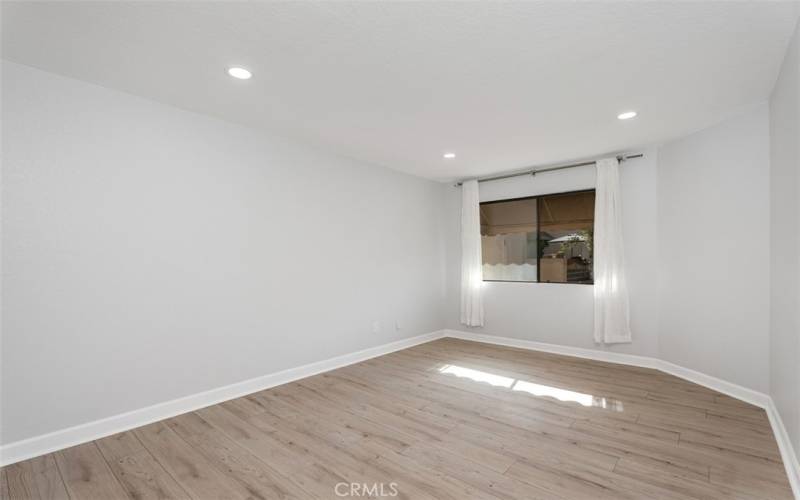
[(566, 231)]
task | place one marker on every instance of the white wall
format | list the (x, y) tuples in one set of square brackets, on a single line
[(561, 313), (784, 242), (713, 239), (151, 253), (696, 215)]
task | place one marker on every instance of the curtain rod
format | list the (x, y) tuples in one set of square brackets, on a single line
[(535, 171)]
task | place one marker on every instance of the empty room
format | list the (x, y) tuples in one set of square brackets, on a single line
[(436, 250)]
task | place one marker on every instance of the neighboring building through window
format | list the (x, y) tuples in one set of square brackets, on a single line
[(542, 238)]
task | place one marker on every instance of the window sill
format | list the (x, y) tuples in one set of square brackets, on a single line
[(537, 282)]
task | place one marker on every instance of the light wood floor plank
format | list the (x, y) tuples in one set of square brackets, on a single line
[(678, 483), (48, 478), (144, 478), (119, 446), (471, 471), (279, 451), (446, 420), (187, 466), (87, 475), (20, 482), (36, 478), (233, 460), (4, 495), (3, 485), (446, 486), (348, 455)]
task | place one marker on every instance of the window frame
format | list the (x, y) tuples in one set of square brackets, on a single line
[(538, 258)]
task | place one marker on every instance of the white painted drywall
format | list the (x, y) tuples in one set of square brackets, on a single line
[(560, 313), (151, 253), (714, 240), (785, 242), (696, 228)]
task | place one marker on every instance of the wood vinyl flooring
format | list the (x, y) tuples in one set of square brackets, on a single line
[(449, 419)]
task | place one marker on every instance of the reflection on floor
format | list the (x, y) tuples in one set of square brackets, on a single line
[(531, 388), (450, 419)]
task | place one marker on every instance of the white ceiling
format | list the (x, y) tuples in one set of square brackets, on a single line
[(504, 85)]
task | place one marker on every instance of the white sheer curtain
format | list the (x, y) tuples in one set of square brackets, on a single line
[(611, 315), (471, 263)]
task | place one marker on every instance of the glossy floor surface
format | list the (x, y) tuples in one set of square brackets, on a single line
[(449, 419)]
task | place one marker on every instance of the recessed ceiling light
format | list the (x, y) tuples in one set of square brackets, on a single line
[(240, 73), (449, 156), (626, 115)]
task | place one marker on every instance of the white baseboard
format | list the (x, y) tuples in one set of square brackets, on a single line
[(577, 352), (734, 390), (58, 440), (756, 398), (788, 453)]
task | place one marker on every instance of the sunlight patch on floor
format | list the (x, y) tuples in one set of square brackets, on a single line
[(534, 389)]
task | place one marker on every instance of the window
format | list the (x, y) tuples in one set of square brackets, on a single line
[(541, 238)]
